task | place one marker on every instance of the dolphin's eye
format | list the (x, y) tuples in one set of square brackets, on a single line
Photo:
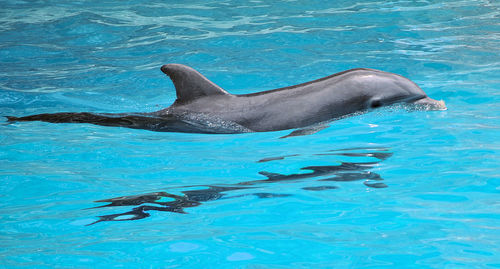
[(376, 103)]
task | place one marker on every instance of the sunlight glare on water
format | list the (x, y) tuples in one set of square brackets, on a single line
[(389, 188)]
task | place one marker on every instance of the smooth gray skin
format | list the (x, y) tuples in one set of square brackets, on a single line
[(296, 106), (203, 107)]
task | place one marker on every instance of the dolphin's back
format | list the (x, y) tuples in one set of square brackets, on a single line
[(285, 108)]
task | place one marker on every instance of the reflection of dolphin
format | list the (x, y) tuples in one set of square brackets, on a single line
[(203, 107), (167, 202)]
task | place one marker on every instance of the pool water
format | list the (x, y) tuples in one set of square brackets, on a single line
[(389, 188)]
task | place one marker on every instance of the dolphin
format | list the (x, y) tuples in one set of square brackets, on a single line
[(204, 107)]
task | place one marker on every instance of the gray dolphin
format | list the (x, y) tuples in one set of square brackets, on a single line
[(203, 107)]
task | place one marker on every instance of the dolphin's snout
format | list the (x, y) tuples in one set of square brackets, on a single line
[(428, 103)]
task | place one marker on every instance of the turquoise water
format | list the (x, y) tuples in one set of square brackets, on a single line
[(390, 188)]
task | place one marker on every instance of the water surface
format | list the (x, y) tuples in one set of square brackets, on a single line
[(387, 188)]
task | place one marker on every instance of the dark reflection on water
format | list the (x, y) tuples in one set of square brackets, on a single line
[(167, 202)]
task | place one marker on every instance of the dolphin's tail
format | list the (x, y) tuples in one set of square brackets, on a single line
[(11, 118), (103, 119), (74, 117), (147, 121)]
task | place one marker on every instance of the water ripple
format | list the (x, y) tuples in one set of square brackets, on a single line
[(440, 208)]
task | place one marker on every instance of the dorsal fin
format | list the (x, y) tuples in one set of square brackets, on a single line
[(190, 84)]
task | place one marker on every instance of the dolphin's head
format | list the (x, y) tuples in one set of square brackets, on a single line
[(388, 89)]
